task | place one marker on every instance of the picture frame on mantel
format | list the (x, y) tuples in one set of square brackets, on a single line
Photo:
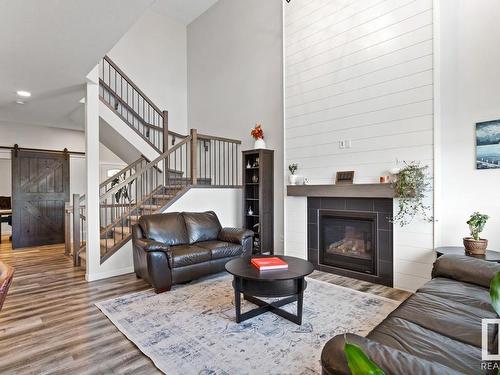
[(344, 178)]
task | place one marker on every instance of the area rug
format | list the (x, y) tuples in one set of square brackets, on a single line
[(191, 329)]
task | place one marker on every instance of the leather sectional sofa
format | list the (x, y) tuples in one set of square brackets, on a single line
[(177, 247), (435, 331)]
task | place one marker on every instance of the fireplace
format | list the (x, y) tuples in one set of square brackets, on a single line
[(348, 240), (352, 237)]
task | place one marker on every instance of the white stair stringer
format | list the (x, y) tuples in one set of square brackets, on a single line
[(120, 138)]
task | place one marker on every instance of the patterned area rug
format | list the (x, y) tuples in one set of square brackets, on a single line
[(191, 329)]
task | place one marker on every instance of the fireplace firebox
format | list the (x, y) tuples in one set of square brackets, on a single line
[(348, 240), (351, 237)]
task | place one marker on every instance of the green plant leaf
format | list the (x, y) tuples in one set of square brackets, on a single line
[(495, 292), (359, 363)]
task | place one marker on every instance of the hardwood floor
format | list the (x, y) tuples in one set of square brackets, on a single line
[(49, 323)]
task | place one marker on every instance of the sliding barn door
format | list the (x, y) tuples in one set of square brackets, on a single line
[(40, 186)]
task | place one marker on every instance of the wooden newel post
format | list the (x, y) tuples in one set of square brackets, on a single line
[(165, 130), (76, 229), (68, 220), (194, 156)]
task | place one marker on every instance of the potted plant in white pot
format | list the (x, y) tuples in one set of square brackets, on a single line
[(293, 177), (475, 244)]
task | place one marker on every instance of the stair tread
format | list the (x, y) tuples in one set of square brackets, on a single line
[(150, 206)]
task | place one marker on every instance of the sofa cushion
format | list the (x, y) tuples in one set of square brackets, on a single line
[(202, 226), (466, 293), (429, 345), (221, 249), (186, 255), (448, 318), (466, 269), (168, 228)]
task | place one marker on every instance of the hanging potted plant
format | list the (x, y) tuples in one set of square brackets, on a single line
[(293, 177), (411, 183), (475, 244), (258, 134)]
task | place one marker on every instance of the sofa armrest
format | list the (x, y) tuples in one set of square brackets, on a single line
[(234, 235), (150, 245), (466, 269), (391, 360)]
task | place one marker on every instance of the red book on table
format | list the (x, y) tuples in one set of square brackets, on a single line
[(271, 263)]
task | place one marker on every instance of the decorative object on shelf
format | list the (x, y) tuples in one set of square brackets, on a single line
[(488, 145), (293, 177), (306, 181), (258, 134), (249, 165), (344, 177), (385, 179), (393, 172), (255, 178), (411, 184), (475, 244), (256, 163), (250, 211)]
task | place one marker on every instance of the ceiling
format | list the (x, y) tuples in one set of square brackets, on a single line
[(184, 11), (48, 47)]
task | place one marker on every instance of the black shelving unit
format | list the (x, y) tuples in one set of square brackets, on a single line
[(258, 198)]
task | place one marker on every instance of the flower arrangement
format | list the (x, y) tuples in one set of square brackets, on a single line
[(293, 168), (257, 132)]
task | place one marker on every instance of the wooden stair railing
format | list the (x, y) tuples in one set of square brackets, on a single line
[(145, 192), (128, 102), (149, 187)]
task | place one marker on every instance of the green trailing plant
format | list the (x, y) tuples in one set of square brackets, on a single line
[(495, 293), (293, 168), (359, 363), (476, 223), (411, 185)]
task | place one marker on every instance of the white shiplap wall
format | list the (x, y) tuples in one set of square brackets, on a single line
[(360, 70)]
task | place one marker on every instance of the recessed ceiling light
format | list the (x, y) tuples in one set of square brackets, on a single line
[(24, 94)]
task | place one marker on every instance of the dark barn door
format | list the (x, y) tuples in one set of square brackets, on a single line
[(40, 187)]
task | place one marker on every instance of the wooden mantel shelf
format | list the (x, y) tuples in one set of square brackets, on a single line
[(343, 191)]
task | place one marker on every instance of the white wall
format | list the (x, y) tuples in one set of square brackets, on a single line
[(153, 54), (36, 136), (226, 203), (235, 79), (360, 71), (470, 81)]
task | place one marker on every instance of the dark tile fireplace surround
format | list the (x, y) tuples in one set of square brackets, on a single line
[(351, 237)]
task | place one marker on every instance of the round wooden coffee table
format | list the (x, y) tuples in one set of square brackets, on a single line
[(252, 283)]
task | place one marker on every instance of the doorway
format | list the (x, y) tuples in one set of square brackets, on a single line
[(40, 188)]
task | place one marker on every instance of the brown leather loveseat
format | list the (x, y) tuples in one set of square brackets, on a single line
[(177, 247), (436, 331)]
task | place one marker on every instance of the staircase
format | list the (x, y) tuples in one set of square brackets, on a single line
[(148, 187)]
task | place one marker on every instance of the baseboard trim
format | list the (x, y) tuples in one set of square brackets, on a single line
[(107, 274)]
